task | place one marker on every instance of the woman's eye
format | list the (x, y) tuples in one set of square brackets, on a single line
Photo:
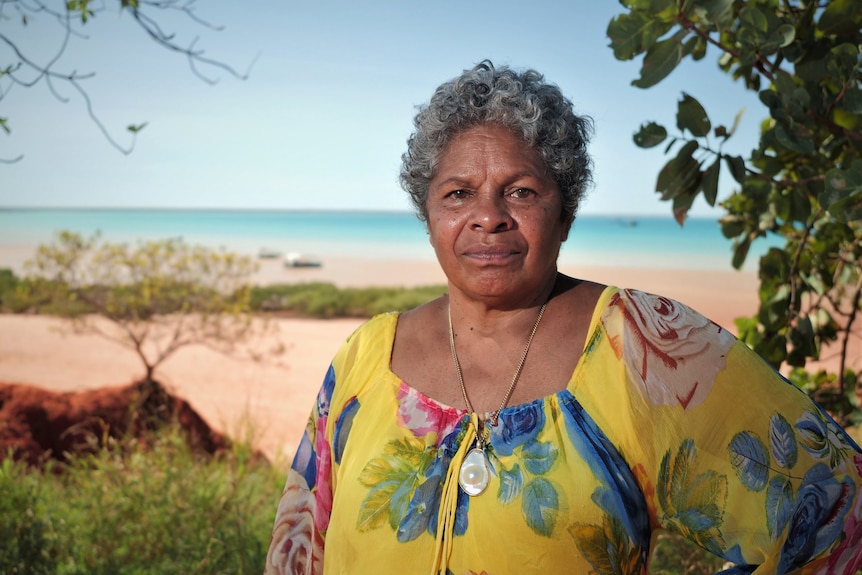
[(458, 194), (522, 193)]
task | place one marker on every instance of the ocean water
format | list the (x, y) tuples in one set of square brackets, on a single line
[(648, 241)]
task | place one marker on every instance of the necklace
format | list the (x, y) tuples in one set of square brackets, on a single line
[(474, 474)]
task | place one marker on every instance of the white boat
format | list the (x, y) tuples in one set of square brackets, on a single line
[(268, 254), (295, 260)]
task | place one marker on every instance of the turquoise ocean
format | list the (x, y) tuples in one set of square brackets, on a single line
[(610, 241)]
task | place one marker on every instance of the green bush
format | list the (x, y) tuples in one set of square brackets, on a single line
[(675, 555), (324, 300), (26, 538), (152, 507), (316, 299)]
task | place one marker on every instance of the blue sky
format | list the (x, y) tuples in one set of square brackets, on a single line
[(322, 120)]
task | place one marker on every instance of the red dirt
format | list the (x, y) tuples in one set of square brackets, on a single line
[(37, 424)]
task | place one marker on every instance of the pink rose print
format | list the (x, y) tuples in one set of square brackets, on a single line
[(420, 415), (673, 353), (846, 558), (296, 546)]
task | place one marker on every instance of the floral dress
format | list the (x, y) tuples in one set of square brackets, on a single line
[(668, 422)]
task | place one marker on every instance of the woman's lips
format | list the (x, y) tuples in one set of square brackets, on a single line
[(491, 254)]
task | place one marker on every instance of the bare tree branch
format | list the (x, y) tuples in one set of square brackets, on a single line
[(27, 71)]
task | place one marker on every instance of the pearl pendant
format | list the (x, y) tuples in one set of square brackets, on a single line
[(474, 475)]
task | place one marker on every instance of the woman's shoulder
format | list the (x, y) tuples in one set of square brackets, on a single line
[(375, 328), (376, 332), (647, 306)]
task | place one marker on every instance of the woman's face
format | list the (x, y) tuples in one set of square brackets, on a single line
[(495, 217)]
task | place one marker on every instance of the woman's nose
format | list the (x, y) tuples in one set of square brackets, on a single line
[(490, 214)]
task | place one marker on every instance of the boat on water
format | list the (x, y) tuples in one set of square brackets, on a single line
[(295, 260), (268, 254)]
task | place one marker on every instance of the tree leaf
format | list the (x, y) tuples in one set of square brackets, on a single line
[(692, 117), (630, 35), (842, 196), (841, 17), (659, 62), (680, 208), (709, 182), (792, 139), (736, 165), (786, 34), (751, 18), (718, 12), (650, 135), (680, 176), (803, 342), (736, 120)]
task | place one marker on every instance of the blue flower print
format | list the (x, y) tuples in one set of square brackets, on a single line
[(822, 504), (325, 395), (423, 506), (421, 513), (305, 461), (822, 437), (517, 426), (342, 428), (622, 499)]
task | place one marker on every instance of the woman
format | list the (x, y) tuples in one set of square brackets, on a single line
[(532, 422)]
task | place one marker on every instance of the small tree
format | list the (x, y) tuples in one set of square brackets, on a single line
[(154, 299), (803, 182)]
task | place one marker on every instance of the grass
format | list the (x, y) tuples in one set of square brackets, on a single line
[(139, 508)]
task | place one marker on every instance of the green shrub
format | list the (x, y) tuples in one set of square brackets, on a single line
[(139, 508), (675, 555), (26, 542), (324, 300)]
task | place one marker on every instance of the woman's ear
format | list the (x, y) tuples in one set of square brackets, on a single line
[(568, 220), (428, 231)]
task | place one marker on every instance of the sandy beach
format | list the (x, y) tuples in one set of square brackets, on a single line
[(272, 399)]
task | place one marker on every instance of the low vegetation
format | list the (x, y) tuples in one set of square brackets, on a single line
[(139, 507), (312, 300), (156, 507), (324, 300)]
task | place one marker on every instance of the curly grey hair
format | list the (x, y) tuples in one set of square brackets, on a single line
[(519, 101)]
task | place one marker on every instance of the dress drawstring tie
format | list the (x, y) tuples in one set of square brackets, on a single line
[(449, 500)]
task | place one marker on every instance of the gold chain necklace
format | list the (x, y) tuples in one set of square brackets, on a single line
[(475, 475)]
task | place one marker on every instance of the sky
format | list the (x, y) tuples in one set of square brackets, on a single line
[(322, 119)]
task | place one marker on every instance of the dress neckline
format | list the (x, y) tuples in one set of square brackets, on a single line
[(595, 320)]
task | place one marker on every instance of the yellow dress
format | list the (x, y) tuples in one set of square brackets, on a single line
[(668, 422)]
